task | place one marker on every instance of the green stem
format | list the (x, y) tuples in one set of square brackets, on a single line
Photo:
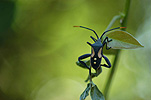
[(126, 10), (90, 77), (111, 74), (114, 67), (117, 17)]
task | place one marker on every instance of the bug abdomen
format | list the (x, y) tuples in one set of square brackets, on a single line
[(95, 62)]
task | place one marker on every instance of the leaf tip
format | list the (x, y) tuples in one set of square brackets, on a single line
[(142, 46)]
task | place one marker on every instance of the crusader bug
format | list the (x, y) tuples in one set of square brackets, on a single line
[(97, 50)]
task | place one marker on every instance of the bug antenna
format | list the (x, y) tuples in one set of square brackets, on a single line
[(111, 30), (88, 29)]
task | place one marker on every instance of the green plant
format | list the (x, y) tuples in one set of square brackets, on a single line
[(120, 40)]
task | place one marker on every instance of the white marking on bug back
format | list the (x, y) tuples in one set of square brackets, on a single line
[(94, 62), (95, 58)]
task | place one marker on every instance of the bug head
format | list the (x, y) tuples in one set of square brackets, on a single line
[(97, 45)]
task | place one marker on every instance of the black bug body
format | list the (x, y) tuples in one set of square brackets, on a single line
[(97, 51), (96, 54)]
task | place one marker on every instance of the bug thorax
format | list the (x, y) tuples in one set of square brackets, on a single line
[(96, 49)]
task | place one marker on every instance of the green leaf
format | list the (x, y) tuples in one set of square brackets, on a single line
[(96, 94), (123, 40), (110, 51), (81, 65), (86, 92)]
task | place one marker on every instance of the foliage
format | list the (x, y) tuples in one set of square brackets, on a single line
[(94, 92), (38, 46), (123, 40), (120, 40)]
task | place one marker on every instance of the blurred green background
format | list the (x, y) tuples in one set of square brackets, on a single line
[(39, 48)]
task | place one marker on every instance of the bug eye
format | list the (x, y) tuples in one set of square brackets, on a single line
[(100, 53), (93, 53)]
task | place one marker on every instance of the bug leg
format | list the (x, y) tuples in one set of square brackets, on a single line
[(107, 61), (89, 44), (83, 57), (104, 42), (106, 46), (93, 39), (90, 74), (109, 40)]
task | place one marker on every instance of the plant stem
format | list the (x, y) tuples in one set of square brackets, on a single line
[(126, 10), (113, 21), (111, 74), (114, 67)]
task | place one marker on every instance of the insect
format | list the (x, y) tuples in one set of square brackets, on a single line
[(97, 50)]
